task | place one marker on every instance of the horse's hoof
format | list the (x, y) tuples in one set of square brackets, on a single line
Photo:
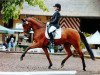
[(62, 65), (21, 58), (84, 69), (49, 67), (93, 59)]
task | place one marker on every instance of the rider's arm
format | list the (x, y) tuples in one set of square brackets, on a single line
[(57, 16)]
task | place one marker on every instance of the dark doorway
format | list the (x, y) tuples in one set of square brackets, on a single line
[(10, 23), (89, 25)]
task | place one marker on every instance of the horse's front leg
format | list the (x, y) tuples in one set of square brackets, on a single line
[(30, 47), (48, 57)]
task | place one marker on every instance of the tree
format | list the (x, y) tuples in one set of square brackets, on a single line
[(12, 8)]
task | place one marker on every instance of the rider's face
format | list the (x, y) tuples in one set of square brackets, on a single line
[(55, 8)]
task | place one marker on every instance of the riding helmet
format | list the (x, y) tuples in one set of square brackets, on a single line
[(58, 6)]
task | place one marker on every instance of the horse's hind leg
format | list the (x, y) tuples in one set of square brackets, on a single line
[(69, 53), (77, 47)]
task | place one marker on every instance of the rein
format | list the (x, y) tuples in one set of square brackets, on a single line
[(38, 28)]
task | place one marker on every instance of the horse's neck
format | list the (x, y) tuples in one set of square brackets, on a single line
[(38, 28), (39, 33), (37, 23)]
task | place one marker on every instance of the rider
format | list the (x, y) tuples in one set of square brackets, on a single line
[(54, 23)]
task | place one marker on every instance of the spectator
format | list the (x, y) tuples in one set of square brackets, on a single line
[(5, 44), (11, 43), (7, 41)]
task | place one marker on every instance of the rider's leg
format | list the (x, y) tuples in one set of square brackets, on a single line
[(51, 38), (51, 43), (51, 35)]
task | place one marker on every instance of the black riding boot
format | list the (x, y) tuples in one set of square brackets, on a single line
[(51, 40)]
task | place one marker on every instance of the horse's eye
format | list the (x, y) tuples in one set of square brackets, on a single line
[(24, 23)]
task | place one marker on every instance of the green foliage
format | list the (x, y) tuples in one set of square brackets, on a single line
[(12, 8), (86, 35), (82, 45)]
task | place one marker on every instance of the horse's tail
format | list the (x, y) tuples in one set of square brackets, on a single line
[(86, 45)]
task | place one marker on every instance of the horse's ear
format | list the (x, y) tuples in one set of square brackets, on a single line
[(23, 20)]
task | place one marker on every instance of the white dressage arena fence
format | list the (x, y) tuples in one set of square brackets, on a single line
[(40, 73)]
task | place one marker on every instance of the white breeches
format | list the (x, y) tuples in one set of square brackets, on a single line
[(52, 28)]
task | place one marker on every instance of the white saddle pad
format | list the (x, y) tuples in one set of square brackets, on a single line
[(57, 34)]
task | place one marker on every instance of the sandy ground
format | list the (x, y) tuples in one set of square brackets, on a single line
[(10, 62)]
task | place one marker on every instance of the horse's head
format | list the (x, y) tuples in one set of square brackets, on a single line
[(33, 23), (27, 25)]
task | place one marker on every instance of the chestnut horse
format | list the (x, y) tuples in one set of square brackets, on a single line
[(69, 37)]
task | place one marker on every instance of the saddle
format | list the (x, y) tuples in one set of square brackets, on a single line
[(57, 33)]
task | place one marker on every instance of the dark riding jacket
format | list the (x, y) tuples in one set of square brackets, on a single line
[(55, 19)]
